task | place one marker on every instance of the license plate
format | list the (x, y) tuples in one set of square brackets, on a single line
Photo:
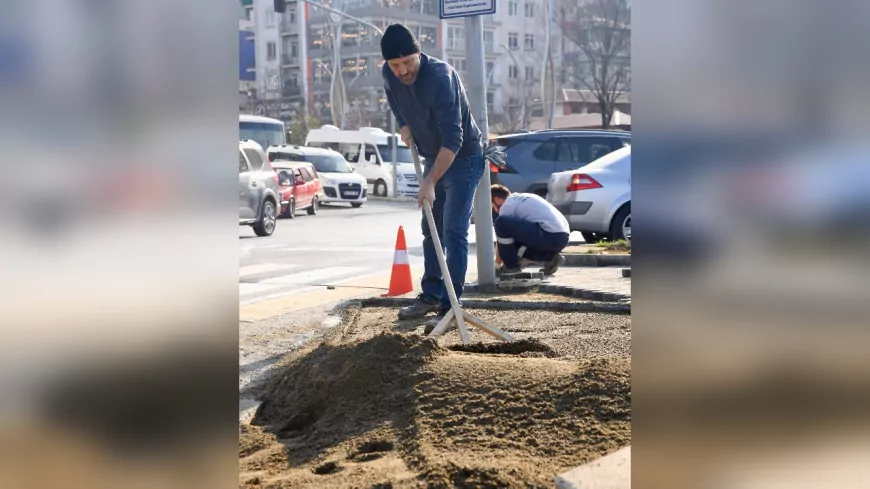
[(352, 194)]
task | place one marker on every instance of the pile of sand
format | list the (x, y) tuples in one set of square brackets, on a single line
[(397, 410)]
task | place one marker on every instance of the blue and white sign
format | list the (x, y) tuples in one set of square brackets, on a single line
[(466, 8)]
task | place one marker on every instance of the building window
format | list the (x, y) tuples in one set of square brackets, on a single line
[(512, 8), (271, 51), (456, 38), (352, 67), (530, 73), (350, 35), (529, 44), (513, 72), (513, 40), (489, 67), (490, 98), (270, 18), (292, 16), (488, 41), (458, 64), (530, 9), (428, 36), (294, 49)]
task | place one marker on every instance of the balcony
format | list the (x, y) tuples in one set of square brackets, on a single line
[(291, 91), (289, 28), (287, 60)]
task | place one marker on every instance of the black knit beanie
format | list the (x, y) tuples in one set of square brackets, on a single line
[(398, 42)]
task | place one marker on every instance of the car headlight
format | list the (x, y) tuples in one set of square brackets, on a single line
[(328, 182)]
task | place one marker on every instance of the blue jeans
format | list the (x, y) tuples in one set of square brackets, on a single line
[(513, 233), (454, 194)]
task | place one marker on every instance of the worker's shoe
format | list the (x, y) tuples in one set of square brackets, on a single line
[(422, 306), (553, 264), (430, 324), (505, 270)]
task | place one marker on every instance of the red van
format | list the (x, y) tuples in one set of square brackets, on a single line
[(300, 187)]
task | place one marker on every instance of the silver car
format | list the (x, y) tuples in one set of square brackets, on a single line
[(596, 198), (258, 190)]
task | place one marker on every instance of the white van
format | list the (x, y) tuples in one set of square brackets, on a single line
[(369, 151)]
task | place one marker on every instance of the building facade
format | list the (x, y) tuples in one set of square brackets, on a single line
[(299, 51)]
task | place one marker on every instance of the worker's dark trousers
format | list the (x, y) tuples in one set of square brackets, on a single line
[(519, 239)]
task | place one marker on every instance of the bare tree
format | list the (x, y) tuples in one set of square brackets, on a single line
[(516, 111), (601, 31)]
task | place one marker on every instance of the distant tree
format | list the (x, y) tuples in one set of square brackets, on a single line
[(300, 126), (601, 30), (515, 113)]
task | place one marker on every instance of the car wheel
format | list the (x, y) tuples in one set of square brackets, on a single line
[(266, 225), (381, 188), (542, 193), (290, 213), (312, 210), (356, 205), (620, 227)]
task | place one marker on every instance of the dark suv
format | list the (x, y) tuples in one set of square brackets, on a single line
[(532, 157)]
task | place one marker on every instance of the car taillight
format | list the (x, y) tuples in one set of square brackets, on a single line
[(582, 181), (493, 168)]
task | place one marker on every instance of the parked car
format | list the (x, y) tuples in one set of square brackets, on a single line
[(300, 187), (532, 157), (339, 181), (596, 199), (259, 194)]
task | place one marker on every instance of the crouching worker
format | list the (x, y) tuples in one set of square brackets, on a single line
[(527, 227)]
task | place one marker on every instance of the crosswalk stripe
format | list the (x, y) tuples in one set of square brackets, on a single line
[(264, 268), (312, 276)]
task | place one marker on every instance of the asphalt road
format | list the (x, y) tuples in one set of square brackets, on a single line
[(339, 243)]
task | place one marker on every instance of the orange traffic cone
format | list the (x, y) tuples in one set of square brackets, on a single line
[(400, 280)]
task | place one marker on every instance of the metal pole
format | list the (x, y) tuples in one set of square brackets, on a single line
[(544, 102), (550, 18), (476, 84), (395, 148)]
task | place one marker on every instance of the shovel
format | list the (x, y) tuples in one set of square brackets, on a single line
[(455, 314)]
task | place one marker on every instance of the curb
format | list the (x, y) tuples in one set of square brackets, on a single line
[(391, 199), (596, 260), (503, 305), (561, 290)]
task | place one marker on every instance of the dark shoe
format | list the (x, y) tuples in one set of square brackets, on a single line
[(422, 306), (504, 270), (553, 264), (432, 323)]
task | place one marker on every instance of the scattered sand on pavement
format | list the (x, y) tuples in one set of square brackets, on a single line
[(571, 335), (378, 405)]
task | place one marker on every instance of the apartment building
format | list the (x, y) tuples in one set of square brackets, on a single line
[(298, 51), (336, 45)]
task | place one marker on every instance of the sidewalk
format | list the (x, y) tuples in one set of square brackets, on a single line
[(605, 279)]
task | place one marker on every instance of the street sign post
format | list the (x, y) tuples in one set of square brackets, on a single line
[(475, 83)]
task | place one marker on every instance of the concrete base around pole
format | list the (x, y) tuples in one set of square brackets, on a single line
[(609, 472)]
